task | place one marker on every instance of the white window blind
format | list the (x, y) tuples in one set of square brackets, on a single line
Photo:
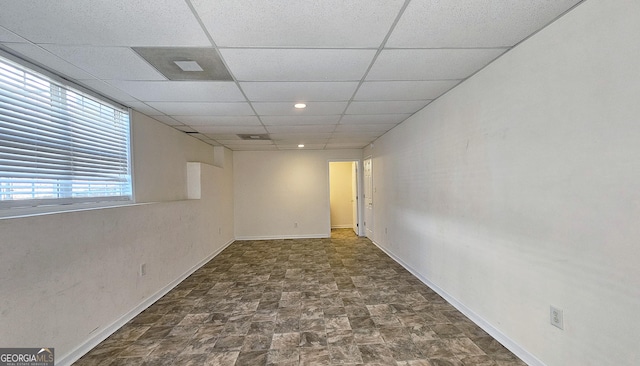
[(58, 145)]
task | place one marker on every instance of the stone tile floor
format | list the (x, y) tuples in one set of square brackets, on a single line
[(338, 301)]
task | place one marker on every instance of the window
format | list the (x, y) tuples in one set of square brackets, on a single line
[(58, 145)]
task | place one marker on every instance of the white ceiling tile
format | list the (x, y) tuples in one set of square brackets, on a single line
[(386, 107), (301, 129), (219, 120), (294, 146), (298, 136), (211, 130), (346, 145), (379, 127), (283, 23), (186, 91), (199, 136), (361, 142), (431, 64), (352, 135), (313, 109), (349, 144), (44, 58), (300, 140), (297, 64), (144, 108), (464, 23), (365, 138), (108, 90), (373, 118), (107, 62), (108, 23), (168, 120), (222, 136), (245, 142), (280, 54), (185, 129), (212, 142), (403, 90), (298, 91), (10, 37), (299, 120), (252, 147), (202, 108)]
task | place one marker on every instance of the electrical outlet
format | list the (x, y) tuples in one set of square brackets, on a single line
[(295, 224), (556, 317), (143, 269), (219, 231)]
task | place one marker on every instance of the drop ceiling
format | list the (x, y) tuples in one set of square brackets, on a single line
[(361, 66)]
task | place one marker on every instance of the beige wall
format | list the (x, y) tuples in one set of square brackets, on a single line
[(522, 190), (274, 190), (340, 194), (69, 279), (159, 155)]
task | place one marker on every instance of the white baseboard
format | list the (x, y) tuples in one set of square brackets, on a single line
[(342, 226), (512, 346), (90, 343), (277, 237)]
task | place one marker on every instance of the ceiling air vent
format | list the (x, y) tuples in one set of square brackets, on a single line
[(254, 136), (186, 63)]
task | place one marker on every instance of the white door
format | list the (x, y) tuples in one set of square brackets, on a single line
[(368, 198), (354, 196)]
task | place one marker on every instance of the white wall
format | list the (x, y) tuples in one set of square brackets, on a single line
[(68, 279), (518, 190), (159, 156), (273, 190), (340, 187)]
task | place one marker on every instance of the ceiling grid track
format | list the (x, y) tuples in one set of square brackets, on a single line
[(361, 67), (373, 61), (215, 46)]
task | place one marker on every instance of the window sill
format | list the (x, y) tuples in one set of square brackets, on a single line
[(14, 213)]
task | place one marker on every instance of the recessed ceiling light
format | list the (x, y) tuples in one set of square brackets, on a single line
[(300, 105), (188, 65), (301, 145)]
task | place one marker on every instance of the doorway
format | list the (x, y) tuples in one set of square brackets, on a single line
[(343, 195)]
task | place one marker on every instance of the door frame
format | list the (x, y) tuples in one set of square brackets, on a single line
[(365, 206), (359, 188)]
